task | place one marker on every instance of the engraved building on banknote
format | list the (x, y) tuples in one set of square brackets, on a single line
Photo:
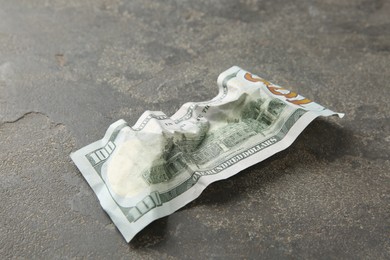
[(197, 150), (175, 160)]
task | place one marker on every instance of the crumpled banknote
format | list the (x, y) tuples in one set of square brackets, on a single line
[(148, 171)]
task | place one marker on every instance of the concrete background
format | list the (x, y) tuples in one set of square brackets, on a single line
[(69, 68)]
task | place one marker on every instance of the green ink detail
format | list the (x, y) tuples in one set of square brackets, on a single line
[(134, 213), (91, 157)]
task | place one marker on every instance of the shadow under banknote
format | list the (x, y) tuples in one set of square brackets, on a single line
[(320, 143), (152, 235)]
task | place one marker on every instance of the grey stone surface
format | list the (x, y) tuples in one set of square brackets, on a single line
[(69, 68)]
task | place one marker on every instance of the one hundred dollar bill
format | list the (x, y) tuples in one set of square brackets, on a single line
[(150, 170)]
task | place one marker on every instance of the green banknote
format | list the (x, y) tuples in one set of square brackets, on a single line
[(149, 170)]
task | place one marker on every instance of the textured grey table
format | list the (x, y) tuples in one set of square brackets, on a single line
[(70, 68)]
